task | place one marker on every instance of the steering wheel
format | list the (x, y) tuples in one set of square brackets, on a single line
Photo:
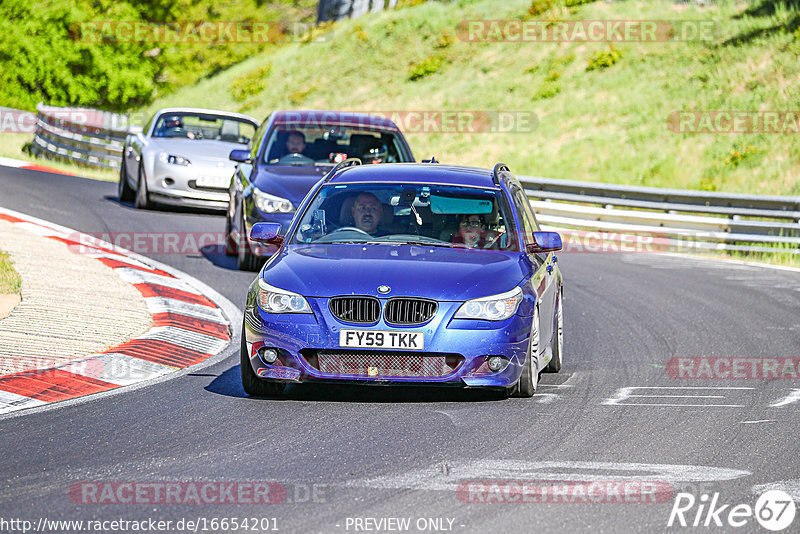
[(350, 228), (296, 158)]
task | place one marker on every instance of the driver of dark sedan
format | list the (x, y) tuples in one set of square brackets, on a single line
[(296, 142), (367, 212)]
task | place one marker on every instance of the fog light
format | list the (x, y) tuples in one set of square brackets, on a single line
[(268, 355), (497, 363)]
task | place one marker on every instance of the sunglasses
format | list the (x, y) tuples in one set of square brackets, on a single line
[(471, 224)]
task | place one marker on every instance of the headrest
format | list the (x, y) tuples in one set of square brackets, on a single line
[(229, 131)]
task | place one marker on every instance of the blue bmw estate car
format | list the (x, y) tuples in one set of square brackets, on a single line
[(415, 274)]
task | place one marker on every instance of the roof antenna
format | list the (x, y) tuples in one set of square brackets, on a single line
[(432, 160)]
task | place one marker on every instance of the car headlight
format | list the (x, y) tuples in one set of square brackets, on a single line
[(271, 204), (493, 308), (173, 159), (275, 300)]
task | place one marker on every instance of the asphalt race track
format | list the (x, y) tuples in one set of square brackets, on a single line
[(344, 454)]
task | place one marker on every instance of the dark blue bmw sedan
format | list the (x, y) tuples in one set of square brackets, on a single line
[(406, 274), (290, 152)]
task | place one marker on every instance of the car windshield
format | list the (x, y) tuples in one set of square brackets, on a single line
[(418, 214), (302, 144), (202, 126)]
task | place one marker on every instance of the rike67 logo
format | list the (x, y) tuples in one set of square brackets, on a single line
[(774, 510)]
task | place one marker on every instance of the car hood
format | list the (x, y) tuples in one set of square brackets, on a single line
[(291, 182), (432, 272), (207, 150)]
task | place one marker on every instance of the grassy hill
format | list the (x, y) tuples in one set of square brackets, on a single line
[(49, 52), (602, 110)]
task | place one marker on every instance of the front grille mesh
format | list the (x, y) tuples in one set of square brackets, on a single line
[(409, 311), (363, 310), (377, 364)]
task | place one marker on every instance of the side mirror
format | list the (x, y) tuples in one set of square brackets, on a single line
[(545, 242), (134, 130), (267, 233), (240, 155)]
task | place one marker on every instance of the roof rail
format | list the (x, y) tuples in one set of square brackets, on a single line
[(432, 160), (349, 162), (500, 167)]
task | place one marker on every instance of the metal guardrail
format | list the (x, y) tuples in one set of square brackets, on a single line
[(84, 136), (333, 10), (687, 219)]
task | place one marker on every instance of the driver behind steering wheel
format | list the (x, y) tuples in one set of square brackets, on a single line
[(296, 142), (367, 213)]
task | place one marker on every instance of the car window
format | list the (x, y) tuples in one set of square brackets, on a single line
[(202, 126), (299, 144), (438, 215)]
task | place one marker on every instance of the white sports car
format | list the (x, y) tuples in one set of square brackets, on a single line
[(180, 157)]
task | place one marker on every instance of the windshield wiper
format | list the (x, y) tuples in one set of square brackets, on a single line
[(431, 244)]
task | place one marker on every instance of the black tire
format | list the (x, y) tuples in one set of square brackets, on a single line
[(231, 248), (124, 189), (245, 260), (554, 365), (529, 379), (253, 385), (142, 201)]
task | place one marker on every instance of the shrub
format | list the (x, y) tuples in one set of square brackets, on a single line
[(603, 59), (424, 68), (548, 89), (251, 83), (538, 7), (445, 40)]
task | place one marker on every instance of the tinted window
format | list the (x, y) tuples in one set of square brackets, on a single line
[(298, 144), (453, 216)]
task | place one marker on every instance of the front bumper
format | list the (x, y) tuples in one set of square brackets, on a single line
[(177, 185), (299, 337)]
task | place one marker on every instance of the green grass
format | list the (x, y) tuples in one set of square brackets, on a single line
[(10, 282), (607, 123), (789, 258)]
